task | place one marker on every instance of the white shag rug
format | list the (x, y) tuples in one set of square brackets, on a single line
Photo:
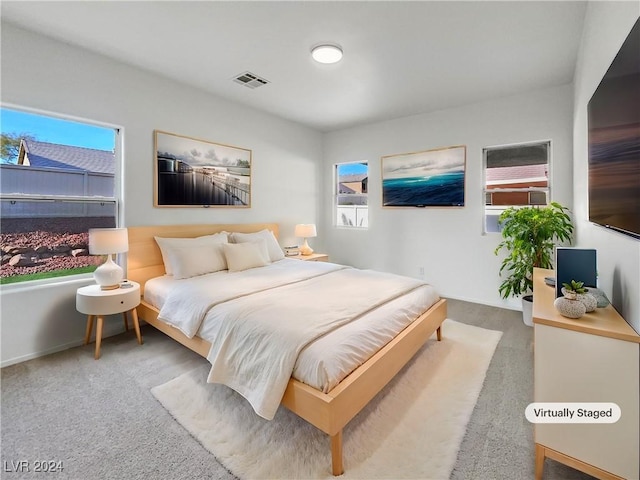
[(412, 429)]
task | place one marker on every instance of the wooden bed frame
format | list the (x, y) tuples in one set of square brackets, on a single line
[(329, 412)]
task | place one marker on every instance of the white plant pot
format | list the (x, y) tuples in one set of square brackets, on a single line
[(527, 310)]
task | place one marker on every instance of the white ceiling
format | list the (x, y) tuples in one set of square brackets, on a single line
[(400, 58)]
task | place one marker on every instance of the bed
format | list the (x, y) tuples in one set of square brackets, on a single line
[(327, 406)]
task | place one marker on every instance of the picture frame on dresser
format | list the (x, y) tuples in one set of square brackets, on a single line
[(190, 172)]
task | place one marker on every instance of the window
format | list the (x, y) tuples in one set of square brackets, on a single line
[(515, 175), (352, 181), (57, 180)]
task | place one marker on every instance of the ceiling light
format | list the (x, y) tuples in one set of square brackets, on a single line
[(326, 53)]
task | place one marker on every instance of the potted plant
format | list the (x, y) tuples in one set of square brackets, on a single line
[(577, 291), (528, 236), (569, 305), (571, 290)]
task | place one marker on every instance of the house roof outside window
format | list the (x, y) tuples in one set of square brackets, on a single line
[(353, 183), (67, 157)]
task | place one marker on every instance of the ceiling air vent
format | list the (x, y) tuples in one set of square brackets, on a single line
[(250, 80)]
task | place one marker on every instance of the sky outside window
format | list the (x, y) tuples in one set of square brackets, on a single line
[(55, 130), (352, 169)]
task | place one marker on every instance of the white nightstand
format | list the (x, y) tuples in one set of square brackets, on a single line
[(95, 302), (314, 257)]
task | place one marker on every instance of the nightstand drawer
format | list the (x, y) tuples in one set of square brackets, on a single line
[(92, 300)]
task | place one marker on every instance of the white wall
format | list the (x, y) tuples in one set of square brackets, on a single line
[(447, 242), (44, 74), (607, 25)]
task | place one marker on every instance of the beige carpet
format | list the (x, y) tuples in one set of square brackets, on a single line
[(412, 429)]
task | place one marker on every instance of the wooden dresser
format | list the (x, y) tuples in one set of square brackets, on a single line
[(595, 358)]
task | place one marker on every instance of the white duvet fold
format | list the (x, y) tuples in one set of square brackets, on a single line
[(258, 337), (188, 303)]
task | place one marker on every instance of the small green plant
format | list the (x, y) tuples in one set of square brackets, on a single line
[(529, 235), (576, 287)]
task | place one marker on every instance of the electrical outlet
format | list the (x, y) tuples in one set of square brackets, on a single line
[(420, 272)]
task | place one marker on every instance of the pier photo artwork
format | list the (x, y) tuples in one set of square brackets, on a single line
[(197, 173), (431, 178)]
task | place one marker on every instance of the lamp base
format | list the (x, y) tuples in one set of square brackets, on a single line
[(108, 275), (305, 249)]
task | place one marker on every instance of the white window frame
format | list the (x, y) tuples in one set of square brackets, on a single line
[(336, 196), (501, 208), (116, 200)]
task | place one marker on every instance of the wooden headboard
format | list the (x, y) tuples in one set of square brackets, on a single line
[(144, 260)]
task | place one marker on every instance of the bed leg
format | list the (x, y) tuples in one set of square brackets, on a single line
[(439, 333), (540, 454), (336, 454)]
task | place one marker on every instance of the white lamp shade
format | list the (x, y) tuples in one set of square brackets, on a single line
[(103, 241), (305, 230)]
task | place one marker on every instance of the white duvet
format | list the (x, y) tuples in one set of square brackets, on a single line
[(259, 320), (189, 302)]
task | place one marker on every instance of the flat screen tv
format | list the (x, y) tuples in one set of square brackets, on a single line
[(614, 142)]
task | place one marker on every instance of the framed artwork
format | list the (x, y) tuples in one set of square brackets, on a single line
[(431, 178), (197, 173)]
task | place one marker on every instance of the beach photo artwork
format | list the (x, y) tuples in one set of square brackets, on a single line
[(431, 178), (198, 173)]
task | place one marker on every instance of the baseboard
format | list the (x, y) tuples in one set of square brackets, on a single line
[(55, 349), (489, 304)]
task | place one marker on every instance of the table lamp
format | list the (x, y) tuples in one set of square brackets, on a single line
[(305, 230), (107, 241)]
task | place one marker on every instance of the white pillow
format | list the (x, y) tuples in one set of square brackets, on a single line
[(273, 247), (242, 256), (166, 244), (191, 261)]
